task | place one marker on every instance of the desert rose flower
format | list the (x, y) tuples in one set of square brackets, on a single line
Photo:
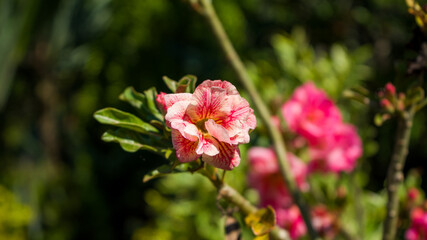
[(309, 112), (338, 151), (210, 123)]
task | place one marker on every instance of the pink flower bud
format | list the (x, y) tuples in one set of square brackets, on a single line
[(160, 102), (385, 103), (390, 89)]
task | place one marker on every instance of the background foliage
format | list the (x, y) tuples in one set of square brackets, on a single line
[(63, 60)]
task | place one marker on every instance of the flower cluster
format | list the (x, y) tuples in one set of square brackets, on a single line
[(210, 123), (334, 146), (265, 177), (418, 227)]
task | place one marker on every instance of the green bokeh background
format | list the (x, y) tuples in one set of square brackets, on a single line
[(60, 61)]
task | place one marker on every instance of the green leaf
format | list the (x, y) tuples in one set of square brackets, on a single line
[(262, 221), (171, 84), (187, 84), (150, 103), (145, 102), (132, 141), (133, 97), (115, 117)]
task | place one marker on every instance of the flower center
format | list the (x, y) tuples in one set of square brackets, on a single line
[(201, 125)]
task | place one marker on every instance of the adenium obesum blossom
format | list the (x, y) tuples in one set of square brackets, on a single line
[(334, 146), (209, 123)]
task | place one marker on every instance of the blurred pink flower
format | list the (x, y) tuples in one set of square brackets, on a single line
[(338, 150), (390, 89), (290, 218), (264, 168), (310, 113), (210, 123), (265, 177), (333, 145), (324, 222), (418, 228)]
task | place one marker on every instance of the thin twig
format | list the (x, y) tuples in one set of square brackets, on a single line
[(245, 80), (395, 173)]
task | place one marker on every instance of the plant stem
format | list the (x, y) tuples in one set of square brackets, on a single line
[(245, 80), (395, 173)]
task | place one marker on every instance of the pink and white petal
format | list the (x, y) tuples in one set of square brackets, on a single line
[(227, 158), (185, 149), (171, 99), (208, 103), (217, 131), (240, 119), (207, 145), (230, 88), (176, 112)]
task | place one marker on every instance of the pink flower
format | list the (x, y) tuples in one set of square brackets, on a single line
[(418, 228), (290, 218), (266, 178), (210, 123), (309, 112), (324, 222), (338, 150), (263, 164), (390, 89)]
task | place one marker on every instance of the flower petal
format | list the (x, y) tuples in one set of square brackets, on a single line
[(208, 103), (171, 99), (227, 158), (230, 88), (217, 131), (185, 149), (207, 145), (240, 120)]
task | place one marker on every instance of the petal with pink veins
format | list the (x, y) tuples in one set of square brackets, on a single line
[(208, 103), (240, 120), (177, 112), (185, 149), (227, 158), (171, 99), (230, 88), (207, 145), (217, 131)]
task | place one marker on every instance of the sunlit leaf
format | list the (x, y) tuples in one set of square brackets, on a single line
[(262, 221), (133, 97), (171, 84), (262, 237), (187, 84), (173, 167), (115, 117), (150, 104), (132, 141)]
